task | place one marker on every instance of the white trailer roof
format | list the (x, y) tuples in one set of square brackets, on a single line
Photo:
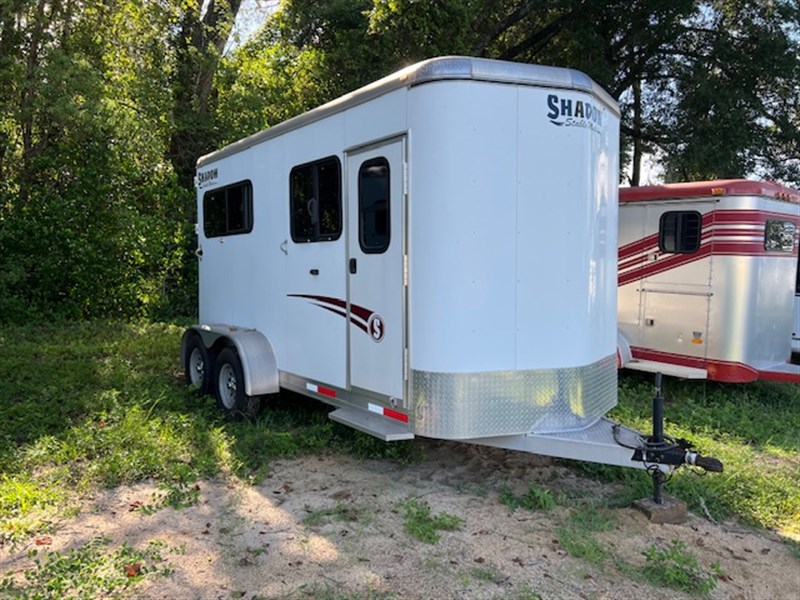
[(435, 69)]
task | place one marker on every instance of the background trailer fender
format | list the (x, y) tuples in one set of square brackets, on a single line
[(391, 253)]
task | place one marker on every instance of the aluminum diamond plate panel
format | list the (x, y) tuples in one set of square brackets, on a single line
[(471, 405)]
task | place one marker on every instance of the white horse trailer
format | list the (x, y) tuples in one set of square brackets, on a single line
[(707, 279), (433, 254)]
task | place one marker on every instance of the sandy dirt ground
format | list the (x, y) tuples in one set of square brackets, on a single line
[(332, 526)]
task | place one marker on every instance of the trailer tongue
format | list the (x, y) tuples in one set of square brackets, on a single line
[(605, 442)]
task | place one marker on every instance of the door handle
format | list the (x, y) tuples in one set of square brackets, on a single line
[(314, 272), (353, 266), (199, 252)]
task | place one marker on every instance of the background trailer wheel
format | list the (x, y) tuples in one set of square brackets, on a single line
[(229, 388), (198, 367)]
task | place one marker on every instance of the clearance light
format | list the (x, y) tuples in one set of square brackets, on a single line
[(717, 191)]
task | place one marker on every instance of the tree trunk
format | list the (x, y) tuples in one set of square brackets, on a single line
[(637, 127), (198, 51)]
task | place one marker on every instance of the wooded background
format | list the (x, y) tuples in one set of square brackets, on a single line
[(105, 105)]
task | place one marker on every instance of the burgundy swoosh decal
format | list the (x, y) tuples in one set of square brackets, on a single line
[(322, 299), (339, 307)]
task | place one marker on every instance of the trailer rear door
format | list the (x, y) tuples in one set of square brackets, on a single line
[(376, 251), (676, 287)]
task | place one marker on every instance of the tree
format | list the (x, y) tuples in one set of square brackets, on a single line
[(201, 32), (86, 196), (710, 86)]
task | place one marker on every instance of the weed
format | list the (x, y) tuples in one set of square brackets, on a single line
[(579, 543), (341, 512), (591, 518), (536, 498), (89, 571), (576, 534), (794, 548), (421, 524), (676, 568), (489, 573), (318, 591), (177, 495), (526, 593)]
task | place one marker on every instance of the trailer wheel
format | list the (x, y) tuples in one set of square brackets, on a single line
[(198, 366), (230, 394)]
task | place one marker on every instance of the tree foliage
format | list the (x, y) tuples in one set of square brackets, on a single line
[(93, 219), (711, 87), (105, 106)]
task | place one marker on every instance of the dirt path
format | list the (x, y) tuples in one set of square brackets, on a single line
[(333, 527)]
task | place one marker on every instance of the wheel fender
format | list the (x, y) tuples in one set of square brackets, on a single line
[(624, 354), (259, 366)]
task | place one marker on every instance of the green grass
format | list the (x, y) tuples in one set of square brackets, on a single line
[(577, 537), (677, 568), (672, 567), (753, 428), (536, 498), (89, 571), (99, 404), (341, 512), (421, 524), (488, 572)]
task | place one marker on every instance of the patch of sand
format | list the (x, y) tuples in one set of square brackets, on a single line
[(332, 526)]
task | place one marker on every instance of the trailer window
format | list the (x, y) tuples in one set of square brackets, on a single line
[(228, 210), (373, 206), (316, 205), (679, 232), (779, 236)]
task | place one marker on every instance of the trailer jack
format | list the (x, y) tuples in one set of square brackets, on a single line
[(659, 451)]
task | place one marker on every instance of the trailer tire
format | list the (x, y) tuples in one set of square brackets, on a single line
[(229, 388), (198, 366)]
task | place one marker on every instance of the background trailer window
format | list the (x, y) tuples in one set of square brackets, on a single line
[(316, 201), (679, 231), (228, 210), (779, 236)]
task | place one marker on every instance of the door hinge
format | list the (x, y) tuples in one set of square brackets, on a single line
[(405, 179), (405, 270), (405, 364)]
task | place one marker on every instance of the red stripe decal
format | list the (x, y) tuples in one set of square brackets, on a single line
[(724, 233), (388, 412), (780, 376), (718, 370)]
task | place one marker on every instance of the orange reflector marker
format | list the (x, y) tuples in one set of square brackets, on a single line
[(717, 191)]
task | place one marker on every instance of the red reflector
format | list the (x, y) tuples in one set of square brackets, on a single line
[(388, 412), (326, 392)]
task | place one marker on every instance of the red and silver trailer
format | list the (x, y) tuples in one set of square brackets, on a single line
[(432, 255), (707, 279), (796, 320)]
